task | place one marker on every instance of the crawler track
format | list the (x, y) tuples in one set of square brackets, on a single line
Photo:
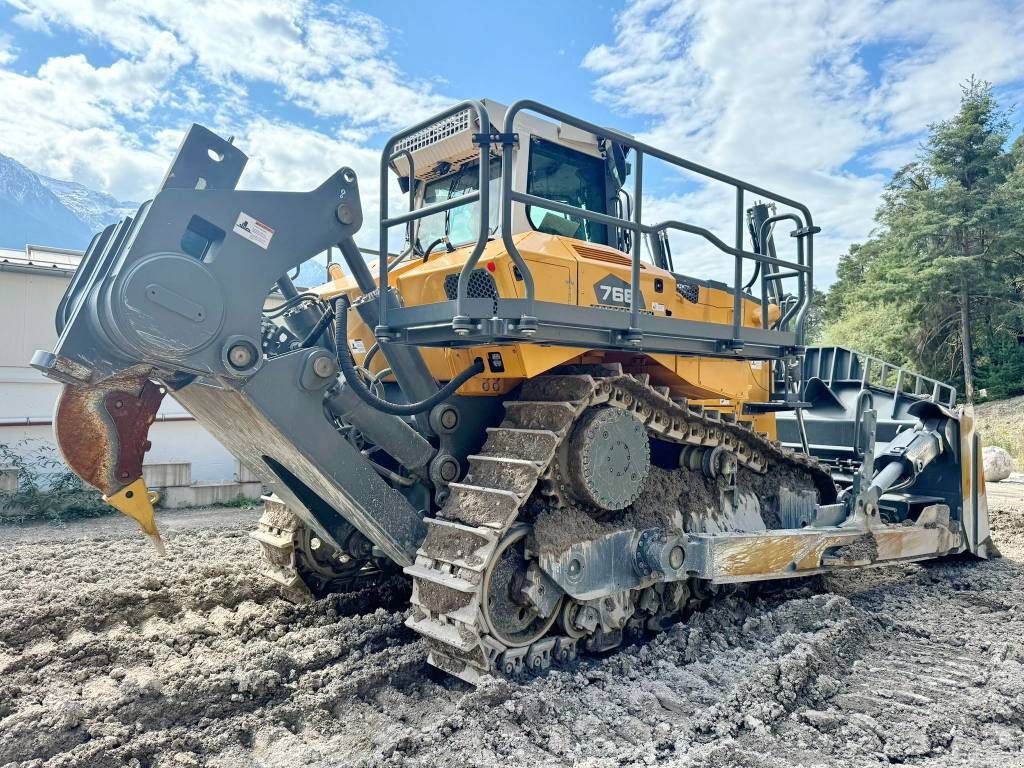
[(516, 465), (289, 560)]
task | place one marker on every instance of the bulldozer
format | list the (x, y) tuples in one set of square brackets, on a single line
[(531, 409)]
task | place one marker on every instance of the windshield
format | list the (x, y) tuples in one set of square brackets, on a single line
[(566, 176), (464, 221)]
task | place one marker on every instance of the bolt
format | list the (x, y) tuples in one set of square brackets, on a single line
[(449, 470), (314, 543), (345, 214), (449, 418), (575, 566), (323, 366), (241, 355)]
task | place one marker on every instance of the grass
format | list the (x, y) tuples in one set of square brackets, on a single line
[(238, 501), (1005, 437), (1001, 423)]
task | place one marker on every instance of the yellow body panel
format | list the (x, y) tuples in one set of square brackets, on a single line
[(565, 271)]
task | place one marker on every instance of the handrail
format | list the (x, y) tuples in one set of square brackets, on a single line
[(463, 323), (803, 297), (710, 236), (805, 226), (412, 185), (482, 195), (874, 372)]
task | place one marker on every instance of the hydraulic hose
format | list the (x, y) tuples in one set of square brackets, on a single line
[(348, 371), (318, 330)]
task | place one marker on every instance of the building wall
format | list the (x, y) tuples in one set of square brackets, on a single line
[(28, 301)]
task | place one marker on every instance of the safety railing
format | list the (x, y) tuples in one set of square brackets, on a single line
[(467, 315), (837, 364), (481, 195)]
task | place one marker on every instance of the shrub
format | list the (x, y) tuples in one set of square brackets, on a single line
[(47, 489)]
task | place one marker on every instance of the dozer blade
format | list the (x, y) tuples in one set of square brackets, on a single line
[(102, 431)]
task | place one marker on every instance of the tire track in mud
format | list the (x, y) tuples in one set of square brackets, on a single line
[(109, 657)]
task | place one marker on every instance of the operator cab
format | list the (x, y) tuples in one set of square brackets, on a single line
[(555, 161)]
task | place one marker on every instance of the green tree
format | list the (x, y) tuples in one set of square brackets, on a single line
[(939, 284)]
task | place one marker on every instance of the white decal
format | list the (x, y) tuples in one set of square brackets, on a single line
[(253, 230), (357, 346), (755, 365), (616, 293)]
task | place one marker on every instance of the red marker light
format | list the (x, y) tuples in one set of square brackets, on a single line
[(490, 266)]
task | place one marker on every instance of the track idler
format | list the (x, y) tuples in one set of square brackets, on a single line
[(102, 431)]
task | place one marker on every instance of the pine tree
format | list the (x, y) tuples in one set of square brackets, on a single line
[(946, 264)]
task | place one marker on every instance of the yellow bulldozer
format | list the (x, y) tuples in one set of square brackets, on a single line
[(531, 408)]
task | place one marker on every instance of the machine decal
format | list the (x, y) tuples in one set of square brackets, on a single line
[(253, 230), (613, 291)]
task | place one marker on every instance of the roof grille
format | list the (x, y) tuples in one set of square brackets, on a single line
[(439, 131)]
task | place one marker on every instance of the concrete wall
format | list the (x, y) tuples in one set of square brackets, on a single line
[(28, 301)]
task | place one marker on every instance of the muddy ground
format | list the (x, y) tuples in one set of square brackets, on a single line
[(110, 657)]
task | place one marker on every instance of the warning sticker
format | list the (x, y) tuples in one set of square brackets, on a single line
[(357, 346), (253, 230)]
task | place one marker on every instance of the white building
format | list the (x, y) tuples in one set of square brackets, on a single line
[(31, 284)]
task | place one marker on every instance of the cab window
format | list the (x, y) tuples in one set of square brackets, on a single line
[(566, 176), (462, 224)]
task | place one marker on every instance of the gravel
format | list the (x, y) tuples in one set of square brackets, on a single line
[(111, 657)]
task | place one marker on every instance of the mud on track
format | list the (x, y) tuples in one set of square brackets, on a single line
[(109, 657)]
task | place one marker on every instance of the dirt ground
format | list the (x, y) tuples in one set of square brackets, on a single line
[(111, 657)]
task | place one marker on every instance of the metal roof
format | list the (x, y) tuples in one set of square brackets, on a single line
[(40, 258)]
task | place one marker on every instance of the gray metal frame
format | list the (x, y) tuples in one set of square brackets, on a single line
[(467, 321), (190, 312), (834, 364)]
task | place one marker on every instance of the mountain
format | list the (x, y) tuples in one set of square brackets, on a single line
[(65, 214), (44, 211), (96, 209)]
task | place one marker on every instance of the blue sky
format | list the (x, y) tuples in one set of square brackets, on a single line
[(820, 100)]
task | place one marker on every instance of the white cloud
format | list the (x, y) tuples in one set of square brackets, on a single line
[(116, 127), (327, 58), (66, 120), (8, 52), (785, 96)]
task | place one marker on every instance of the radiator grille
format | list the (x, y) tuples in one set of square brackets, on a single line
[(481, 286), (689, 291)]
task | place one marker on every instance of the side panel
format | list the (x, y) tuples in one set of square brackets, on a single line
[(571, 272)]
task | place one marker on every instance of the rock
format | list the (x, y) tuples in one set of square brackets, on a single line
[(998, 463)]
